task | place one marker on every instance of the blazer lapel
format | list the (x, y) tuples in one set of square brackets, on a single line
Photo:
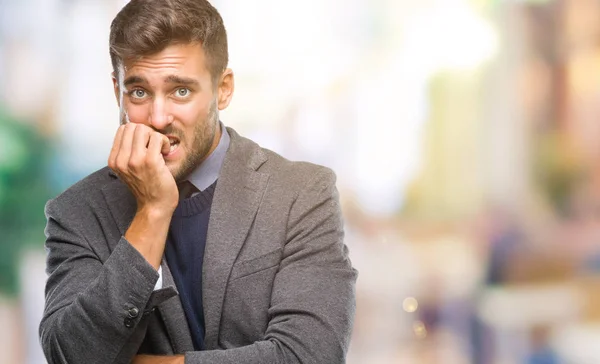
[(236, 200)]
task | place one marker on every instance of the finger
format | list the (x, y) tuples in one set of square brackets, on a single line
[(116, 146), (159, 144), (140, 142), (164, 146), (125, 148)]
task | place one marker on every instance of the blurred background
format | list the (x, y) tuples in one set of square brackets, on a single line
[(463, 133)]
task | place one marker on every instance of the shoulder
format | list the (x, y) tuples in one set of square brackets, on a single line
[(84, 193), (289, 177), (295, 173), (300, 173)]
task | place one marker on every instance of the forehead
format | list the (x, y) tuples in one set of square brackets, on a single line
[(186, 60)]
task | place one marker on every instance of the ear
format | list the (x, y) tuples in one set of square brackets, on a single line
[(116, 88), (225, 89)]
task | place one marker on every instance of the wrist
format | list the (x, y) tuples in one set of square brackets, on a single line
[(155, 213), (148, 233)]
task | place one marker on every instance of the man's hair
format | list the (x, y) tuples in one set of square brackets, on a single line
[(146, 27)]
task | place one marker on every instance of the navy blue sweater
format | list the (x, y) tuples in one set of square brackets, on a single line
[(185, 252)]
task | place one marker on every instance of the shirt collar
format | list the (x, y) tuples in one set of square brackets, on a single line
[(208, 171)]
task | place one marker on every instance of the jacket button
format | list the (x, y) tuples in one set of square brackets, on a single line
[(133, 312), (128, 323)]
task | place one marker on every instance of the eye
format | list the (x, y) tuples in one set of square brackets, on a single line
[(138, 93), (182, 92)]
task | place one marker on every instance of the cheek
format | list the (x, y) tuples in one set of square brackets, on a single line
[(189, 115), (137, 113)]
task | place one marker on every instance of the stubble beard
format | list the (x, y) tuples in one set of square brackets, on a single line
[(202, 141)]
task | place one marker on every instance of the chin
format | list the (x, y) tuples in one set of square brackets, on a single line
[(175, 171)]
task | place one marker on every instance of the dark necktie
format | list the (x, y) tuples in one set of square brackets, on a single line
[(186, 189)]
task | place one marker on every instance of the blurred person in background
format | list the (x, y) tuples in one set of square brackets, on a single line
[(195, 244)]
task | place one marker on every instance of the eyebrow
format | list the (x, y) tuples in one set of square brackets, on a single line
[(181, 80), (133, 79), (170, 79)]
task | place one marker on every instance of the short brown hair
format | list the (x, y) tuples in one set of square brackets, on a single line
[(145, 27)]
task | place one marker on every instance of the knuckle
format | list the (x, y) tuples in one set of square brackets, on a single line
[(148, 162), (121, 163), (133, 163), (153, 137), (120, 166), (144, 127), (130, 126), (148, 132)]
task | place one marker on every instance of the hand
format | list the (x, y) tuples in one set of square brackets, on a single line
[(136, 157), (150, 359)]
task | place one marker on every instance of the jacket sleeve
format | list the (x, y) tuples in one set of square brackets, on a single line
[(313, 299), (95, 308)]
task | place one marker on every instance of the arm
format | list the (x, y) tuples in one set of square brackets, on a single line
[(313, 300), (88, 302), (95, 306)]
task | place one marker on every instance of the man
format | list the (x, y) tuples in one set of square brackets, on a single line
[(194, 245)]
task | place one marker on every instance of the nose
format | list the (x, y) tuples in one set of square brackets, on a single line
[(160, 116)]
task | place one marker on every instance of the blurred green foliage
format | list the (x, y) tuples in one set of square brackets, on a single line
[(24, 190)]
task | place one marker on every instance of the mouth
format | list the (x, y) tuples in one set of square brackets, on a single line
[(174, 144)]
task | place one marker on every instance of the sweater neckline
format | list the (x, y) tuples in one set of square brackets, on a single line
[(196, 204)]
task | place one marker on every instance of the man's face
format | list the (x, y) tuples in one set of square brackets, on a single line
[(171, 91)]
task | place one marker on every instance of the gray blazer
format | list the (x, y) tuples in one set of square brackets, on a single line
[(277, 283)]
